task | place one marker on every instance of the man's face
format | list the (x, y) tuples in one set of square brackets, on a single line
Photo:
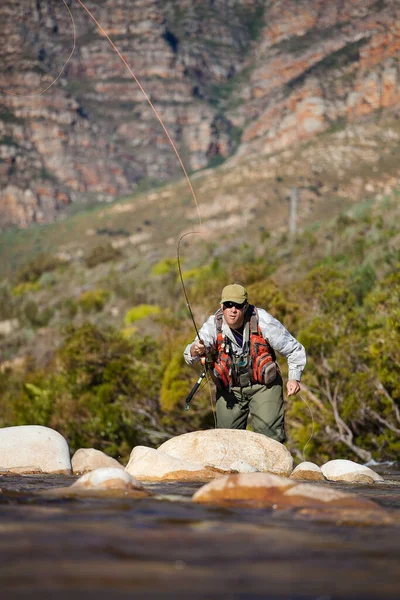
[(234, 313)]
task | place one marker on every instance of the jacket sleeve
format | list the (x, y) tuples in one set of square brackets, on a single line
[(284, 343), (208, 335)]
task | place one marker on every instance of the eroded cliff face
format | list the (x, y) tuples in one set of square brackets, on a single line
[(225, 76), (319, 64)]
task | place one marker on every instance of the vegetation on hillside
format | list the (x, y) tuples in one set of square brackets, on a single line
[(93, 346)]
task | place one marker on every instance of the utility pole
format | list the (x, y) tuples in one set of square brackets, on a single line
[(293, 211)]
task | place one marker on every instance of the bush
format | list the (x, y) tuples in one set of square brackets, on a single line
[(101, 254), (100, 391), (36, 317), (7, 309), (32, 270), (164, 267), (93, 300), (141, 312)]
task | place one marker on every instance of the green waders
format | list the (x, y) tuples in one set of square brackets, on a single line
[(263, 402)]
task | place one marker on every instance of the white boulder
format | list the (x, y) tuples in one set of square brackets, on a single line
[(222, 447), (87, 459), (347, 470), (307, 471), (154, 465), (34, 449), (108, 479)]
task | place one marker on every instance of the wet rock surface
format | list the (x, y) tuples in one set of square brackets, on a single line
[(168, 546)]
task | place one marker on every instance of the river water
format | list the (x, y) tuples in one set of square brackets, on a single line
[(167, 547)]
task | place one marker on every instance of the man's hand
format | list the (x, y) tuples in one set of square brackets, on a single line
[(293, 387), (197, 348)]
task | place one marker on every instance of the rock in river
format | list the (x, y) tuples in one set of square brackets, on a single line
[(148, 464), (307, 471), (33, 449), (87, 459), (222, 447), (347, 470), (108, 479), (266, 489)]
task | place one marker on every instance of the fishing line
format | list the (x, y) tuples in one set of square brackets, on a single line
[(150, 104), (312, 427), (184, 172), (172, 144), (60, 73)]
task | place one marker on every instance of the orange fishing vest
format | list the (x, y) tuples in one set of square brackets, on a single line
[(258, 360)]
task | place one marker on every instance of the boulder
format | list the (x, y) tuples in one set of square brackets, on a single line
[(88, 459), (266, 489), (34, 449), (103, 482), (222, 447), (148, 464), (108, 478), (349, 471), (242, 466), (307, 471)]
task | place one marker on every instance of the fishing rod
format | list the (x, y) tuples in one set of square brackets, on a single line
[(182, 282), (147, 98), (204, 362)]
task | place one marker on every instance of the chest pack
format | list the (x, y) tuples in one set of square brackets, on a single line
[(257, 363)]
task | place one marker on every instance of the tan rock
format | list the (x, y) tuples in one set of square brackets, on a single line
[(307, 471), (221, 447), (148, 464), (244, 488), (88, 459), (347, 470), (265, 489)]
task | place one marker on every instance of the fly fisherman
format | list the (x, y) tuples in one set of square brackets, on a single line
[(238, 344)]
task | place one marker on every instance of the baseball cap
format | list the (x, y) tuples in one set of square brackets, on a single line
[(234, 293)]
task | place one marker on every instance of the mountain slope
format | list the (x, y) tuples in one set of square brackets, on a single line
[(247, 77)]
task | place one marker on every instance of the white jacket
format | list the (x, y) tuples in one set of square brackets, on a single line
[(272, 330)]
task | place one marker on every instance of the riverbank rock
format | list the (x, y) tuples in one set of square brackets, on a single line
[(347, 470), (88, 459), (221, 448), (266, 489), (307, 471), (148, 464), (34, 449)]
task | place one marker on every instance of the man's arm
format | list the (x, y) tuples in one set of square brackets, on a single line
[(207, 338), (283, 342)]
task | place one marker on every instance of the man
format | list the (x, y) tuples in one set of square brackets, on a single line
[(238, 344)]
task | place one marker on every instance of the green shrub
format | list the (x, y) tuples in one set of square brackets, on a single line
[(7, 307), (93, 300), (141, 312), (164, 267), (101, 254), (35, 316), (362, 281), (25, 288), (32, 270), (100, 391)]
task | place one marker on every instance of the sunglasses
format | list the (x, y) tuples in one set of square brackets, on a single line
[(230, 304)]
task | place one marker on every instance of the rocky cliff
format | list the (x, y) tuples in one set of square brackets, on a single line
[(226, 77)]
